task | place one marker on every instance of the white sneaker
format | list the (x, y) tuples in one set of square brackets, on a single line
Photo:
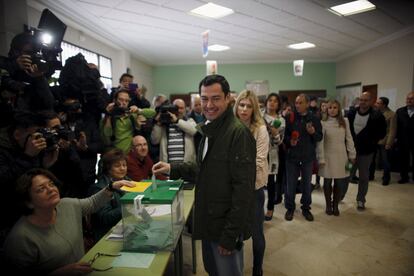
[(360, 205)]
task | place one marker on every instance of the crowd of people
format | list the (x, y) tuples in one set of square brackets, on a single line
[(232, 148)]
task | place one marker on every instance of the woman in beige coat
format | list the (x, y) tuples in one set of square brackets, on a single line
[(334, 152), (247, 110)]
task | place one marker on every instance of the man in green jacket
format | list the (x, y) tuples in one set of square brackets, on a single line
[(225, 174)]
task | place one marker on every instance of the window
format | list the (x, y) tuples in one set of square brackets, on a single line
[(104, 64)]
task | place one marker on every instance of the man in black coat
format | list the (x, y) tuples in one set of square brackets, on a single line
[(368, 126), (405, 137)]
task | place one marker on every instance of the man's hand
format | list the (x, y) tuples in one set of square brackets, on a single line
[(35, 144), (309, 128), (174, 118), (294, 142), (63, 144), (34, 71), (133, 109), (161, 168), (81, 143), (24, 62), (110, 107), (223, 251)]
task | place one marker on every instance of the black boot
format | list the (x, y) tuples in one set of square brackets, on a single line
[(327, 190), (336, 199)]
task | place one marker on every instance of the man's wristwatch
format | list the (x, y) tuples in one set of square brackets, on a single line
[(110, 187)]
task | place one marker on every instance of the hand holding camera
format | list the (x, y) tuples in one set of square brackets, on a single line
[(35, 144), (24, 62), (174, 118)]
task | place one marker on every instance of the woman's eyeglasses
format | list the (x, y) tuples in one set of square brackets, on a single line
[(97, 255)]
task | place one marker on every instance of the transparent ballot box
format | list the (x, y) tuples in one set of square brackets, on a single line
[(153, 220)]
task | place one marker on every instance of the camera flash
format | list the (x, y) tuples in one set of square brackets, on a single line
[(46, 38)]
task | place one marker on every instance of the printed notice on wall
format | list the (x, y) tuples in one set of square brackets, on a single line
[(211, 67)]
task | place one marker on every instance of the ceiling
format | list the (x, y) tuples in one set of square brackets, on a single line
[(162, 32)]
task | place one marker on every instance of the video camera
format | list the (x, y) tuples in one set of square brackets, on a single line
[(164, 109), (45, 41)]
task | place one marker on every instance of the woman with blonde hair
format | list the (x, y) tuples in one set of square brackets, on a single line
[(334, 151), (247, 109)]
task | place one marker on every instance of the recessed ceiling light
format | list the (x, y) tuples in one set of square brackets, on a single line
[(352, 7), (302, 45), (211, 10), (218, 48)]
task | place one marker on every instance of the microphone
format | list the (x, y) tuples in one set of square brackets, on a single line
[(294, 137), (276, 123)]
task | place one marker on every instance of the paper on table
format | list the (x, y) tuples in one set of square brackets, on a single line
[(137, 260), (140, 187), (117, 232)]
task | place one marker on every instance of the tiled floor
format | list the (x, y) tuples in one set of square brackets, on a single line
[(377, 241)]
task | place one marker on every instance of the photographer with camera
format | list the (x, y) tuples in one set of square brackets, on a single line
[(68, 166), (121, 122), (136, 93), (22, 147), (174, 133), (24, 85)]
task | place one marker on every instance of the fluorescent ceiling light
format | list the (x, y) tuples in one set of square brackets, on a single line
[(218, 48), (352, 7), (302, 45), (211, 10)]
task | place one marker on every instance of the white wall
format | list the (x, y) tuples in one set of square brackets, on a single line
[(142, 73), (121, 59), (390, 65)]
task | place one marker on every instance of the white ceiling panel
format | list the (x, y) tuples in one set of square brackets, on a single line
[(162, 31)]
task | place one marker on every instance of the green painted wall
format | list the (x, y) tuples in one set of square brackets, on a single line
[(181, 79)]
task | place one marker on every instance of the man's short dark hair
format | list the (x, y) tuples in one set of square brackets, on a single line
[(125, 75), (212, 79), (26, 119), (121, 91), (385, 101), (18, 42)]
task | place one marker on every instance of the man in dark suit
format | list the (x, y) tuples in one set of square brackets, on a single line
[(405, 137)]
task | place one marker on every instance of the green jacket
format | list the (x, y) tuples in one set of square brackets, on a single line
[(225, 181)]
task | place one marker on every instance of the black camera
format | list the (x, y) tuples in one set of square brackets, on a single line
[(119, 111), (165, 117), (65, 133), (46, 42), (51, 137)]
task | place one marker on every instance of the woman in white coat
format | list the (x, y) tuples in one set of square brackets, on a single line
[(334, 152)]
